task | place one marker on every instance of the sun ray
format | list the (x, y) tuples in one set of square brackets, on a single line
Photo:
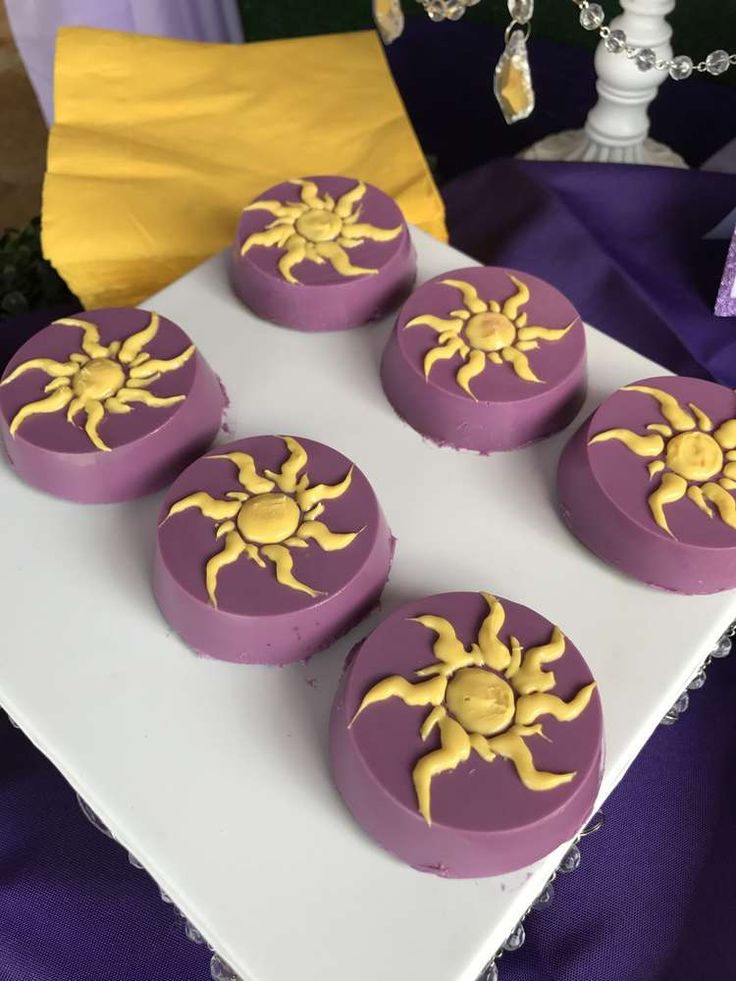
[(277, 208), (543, 333), (727, 483), (455, 749), (480, 745), (90, 336), (671, 409), (95, 414), (730, 471), (725, 435), (420, 694), (526, 346), (345, 202), (470, 295), (723, 501), (339, 260), (447, 648), (530, 678), (310, 194), (696, 496), (328, 541), (156, 366), (116, 407), (530, 707), (281, 558), (441, 353), (145, 397), (520, 363), (511, 746), (651, 445), (436, 323), (514, 303), (655, 467), (659, 427), (296, 251), (285, 479), (248, 476), (75, 406), (268, 237), (703, 420), (515, 663), (364, 230), (207, 505), (56, 383), (471, 369), (133, 345), (225, 528), (52, 403), (495, 653), (231, 552), (307, 498), (672, 488), (54, 369)]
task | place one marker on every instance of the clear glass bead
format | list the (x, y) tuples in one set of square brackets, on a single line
[(592, 16), (436, 10), (521, 10), (516, 939), (615, 42), (571, 861), (698, 681), (134, 861), (220, 971), (454, 11), (717, 62), (681, 67), (682, 704), (723, 648), (490, 972), (545, 897), (645, 59), (193, 933)]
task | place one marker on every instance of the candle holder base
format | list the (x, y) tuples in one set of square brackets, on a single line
[(576, 144)]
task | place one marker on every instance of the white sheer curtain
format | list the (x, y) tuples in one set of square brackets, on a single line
[(35, 22)]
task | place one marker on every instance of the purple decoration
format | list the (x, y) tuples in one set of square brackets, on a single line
[(482, 814), (506, 411), (323, 298), (726, 302), (259, 619), (604, 490)]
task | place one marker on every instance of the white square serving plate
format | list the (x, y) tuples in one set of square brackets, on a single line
[(215, 776)]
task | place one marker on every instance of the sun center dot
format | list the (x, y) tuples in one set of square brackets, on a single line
[(694, 456), (319, 226), (480, 701), (98, 379), (268, 519), (490, 331)]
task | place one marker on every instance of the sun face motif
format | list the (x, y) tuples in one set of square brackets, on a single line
[(484, 332), (693, 459), (317, 229), (485, 699), (100, 378), (271, 515)]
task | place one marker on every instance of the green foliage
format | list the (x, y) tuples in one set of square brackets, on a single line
[(27, 280)]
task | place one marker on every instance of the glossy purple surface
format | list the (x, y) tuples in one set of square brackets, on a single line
[(485, 821), (604, 488), (507, 411), (148, 446), (323, 299), (258, 619)]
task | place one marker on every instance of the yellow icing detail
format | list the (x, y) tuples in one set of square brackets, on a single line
[(655, 467), (436, 323), (317, 229), (473, 366), (543, 333), (725, 435), (660, 427), (490, 331), (527, 346), (443, 353), (730, 471), (696, 496), (695, 456), (475, 708), (101, 380), (672, 488), (671, 409), (651, 445), (520, 363), (703, 420), (473, 303), (727, 483), (272, 514), (514, 303), (723, 501)]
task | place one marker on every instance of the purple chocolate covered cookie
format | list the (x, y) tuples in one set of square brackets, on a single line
[(467, 735), (269, 549), (108, 405), (486, 359), (648, 483), (322, 253)]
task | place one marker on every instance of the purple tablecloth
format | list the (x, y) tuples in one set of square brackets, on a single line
[(654, 897)]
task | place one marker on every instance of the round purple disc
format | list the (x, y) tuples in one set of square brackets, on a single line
[(269, 549), (648, 483), (486, 359), (467, 735), (322, 253), (107, 405)]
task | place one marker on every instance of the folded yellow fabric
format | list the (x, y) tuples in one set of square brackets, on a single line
[(158, 144)]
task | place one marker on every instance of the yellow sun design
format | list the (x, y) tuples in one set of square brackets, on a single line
[(271, 515), (484, 698), (693, 460), (317, 229), (486, 331), (101, 378)]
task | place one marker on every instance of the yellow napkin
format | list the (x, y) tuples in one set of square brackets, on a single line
[(158, 144)]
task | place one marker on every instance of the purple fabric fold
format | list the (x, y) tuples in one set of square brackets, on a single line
[(624, 243)]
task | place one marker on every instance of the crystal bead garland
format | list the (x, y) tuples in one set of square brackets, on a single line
[(446, 9)]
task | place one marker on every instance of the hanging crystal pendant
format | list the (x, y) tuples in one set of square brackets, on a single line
[(512, 80), (389, 19)]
